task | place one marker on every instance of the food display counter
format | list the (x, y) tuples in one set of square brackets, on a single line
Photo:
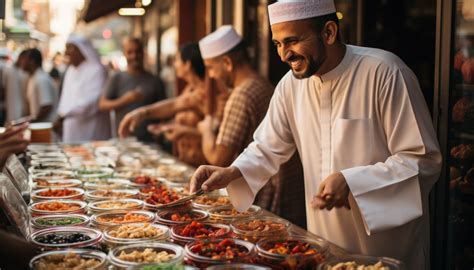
[(105, 205)]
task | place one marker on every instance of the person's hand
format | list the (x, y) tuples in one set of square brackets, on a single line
[(212, 177), (12, 141), (172, 131), (333, 192), (206, 125), (131, 121)]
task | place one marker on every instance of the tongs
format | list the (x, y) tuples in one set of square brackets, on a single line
[(183, 200)]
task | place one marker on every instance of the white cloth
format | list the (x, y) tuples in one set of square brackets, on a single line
[(40, 92), (292, 10), (368, 119), (15, 81), (219, 42), (79, 104)]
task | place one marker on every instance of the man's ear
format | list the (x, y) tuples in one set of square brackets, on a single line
[(330, 32), (228, 64)]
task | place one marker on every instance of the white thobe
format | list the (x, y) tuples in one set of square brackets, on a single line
[(79, 104), (366, 118)]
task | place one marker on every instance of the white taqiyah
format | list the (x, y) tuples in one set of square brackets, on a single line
[(293, 10), (219, 42)]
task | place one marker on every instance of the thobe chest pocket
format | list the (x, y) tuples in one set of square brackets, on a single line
[(352, 143)]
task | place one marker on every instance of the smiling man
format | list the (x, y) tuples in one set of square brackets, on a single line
[(361, 126)]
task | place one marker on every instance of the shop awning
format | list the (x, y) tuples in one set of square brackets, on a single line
[(94, 9)]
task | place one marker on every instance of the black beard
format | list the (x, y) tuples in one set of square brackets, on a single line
[(310, 70)]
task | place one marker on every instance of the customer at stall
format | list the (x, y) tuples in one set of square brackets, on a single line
[(201, 96), (187, 109), (131, 89), (84, 80), (41, 96), (15, 80), (359, 121)]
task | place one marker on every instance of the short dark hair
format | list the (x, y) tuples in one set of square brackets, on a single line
[(136, 41), (190, 52), (319, 22), (35, 55), (239, 53)]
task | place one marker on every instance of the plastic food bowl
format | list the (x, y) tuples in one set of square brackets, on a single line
[(83, 254), (253, 235), (165, 217), (112, 241), (156, 247), (94, 235), (79, 209), (392, 264), (77, 195), (202, 262), (38, 222), (295, 261)]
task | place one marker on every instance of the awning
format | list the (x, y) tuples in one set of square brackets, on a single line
[(94, 9)]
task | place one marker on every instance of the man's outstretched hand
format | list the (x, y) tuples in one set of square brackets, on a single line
[(211, 177)]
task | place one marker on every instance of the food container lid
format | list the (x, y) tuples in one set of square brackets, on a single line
[(235, 226), (156, 246), (82, 205), (392, 264), (118, 240), (110, 183), (97, 206), (60, 183), (189, 246), (97, 194), (53, 175), (83, 253), (164, 216), (95, 236), (317, 243), (95, 219), (36, 222), (78, 192)]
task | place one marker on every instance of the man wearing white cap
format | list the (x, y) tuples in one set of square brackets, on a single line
[(226, 59), (359, 121)]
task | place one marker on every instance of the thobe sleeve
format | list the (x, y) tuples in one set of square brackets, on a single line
[(388, 193), (88, 104), (273, 145)]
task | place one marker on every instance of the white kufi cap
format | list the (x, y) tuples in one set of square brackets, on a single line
[(219, 42), (293, 10)]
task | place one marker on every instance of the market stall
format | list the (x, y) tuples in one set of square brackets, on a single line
[(120, 205)]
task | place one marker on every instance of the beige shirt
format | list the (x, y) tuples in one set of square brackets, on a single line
[(368, 119)]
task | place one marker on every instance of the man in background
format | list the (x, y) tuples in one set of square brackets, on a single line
[(131, 89), (41, 96)]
